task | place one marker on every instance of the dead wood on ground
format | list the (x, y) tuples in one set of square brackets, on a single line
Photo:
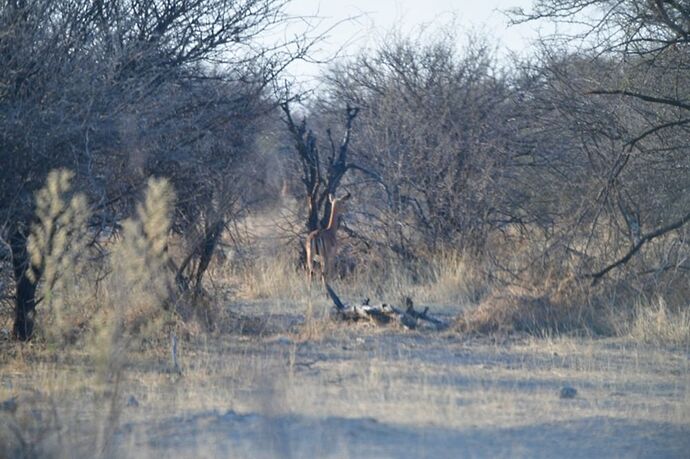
[(384, 314)]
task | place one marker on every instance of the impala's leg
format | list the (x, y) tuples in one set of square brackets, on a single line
[(323, 259), (327, 263), (310, 258), (324, 267)]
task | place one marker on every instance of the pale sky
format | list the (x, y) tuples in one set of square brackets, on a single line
[(374, 19)]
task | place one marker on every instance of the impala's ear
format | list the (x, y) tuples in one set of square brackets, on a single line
[(346, 197), (331, 198)]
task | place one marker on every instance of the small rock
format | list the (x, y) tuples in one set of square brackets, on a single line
[(132, 401), (568, 392)]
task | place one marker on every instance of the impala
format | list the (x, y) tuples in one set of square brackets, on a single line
[(322, 244)]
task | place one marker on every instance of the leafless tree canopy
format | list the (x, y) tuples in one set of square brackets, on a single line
[(118, 91)]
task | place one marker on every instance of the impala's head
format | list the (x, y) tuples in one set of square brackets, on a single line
[(338, 206), (339, 203)]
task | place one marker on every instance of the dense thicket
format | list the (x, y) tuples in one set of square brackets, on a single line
[(569, 164), (118, 91), (572, 163)]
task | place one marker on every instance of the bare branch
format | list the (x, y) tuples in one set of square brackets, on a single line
[(635, 248), (645, 97)]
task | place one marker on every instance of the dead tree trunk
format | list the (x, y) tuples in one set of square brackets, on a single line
[(212, 234), (191, 271), (319, 184), (25, 288), (384, 314), (337, 162)]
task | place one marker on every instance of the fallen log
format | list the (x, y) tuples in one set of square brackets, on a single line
[(383, 314)]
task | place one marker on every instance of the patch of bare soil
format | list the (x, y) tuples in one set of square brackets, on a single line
[(229, 434), (362, 391)]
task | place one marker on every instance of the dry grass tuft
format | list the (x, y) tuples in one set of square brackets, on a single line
[(453, 278), (139, 282), (445, 279), (564, 309), (657, 323), (80, 299), (58, 249), (274, 276), (102, 316)]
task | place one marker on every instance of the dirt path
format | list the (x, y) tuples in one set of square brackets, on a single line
[(364, 393), (361, 392), (229, 434)]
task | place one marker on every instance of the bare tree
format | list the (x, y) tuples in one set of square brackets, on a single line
[(430, 130), (645, 95), (121, 90), (320, 176)]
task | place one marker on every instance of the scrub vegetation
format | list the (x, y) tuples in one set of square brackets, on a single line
[(161, 173)]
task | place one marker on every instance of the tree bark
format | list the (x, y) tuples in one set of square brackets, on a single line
[(25, 288), (211, 235)]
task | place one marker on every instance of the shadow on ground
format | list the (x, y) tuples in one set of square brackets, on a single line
[(213, 434)]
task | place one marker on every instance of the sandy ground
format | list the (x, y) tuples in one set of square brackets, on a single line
[(356, 391)]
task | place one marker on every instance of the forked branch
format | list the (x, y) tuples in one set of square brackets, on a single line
[(596, 277), (320, 184)]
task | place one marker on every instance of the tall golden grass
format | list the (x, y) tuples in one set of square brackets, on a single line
[(58, 249), (127, 296), (105, 310), (550, 296), (656, 323), (102, 310)]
